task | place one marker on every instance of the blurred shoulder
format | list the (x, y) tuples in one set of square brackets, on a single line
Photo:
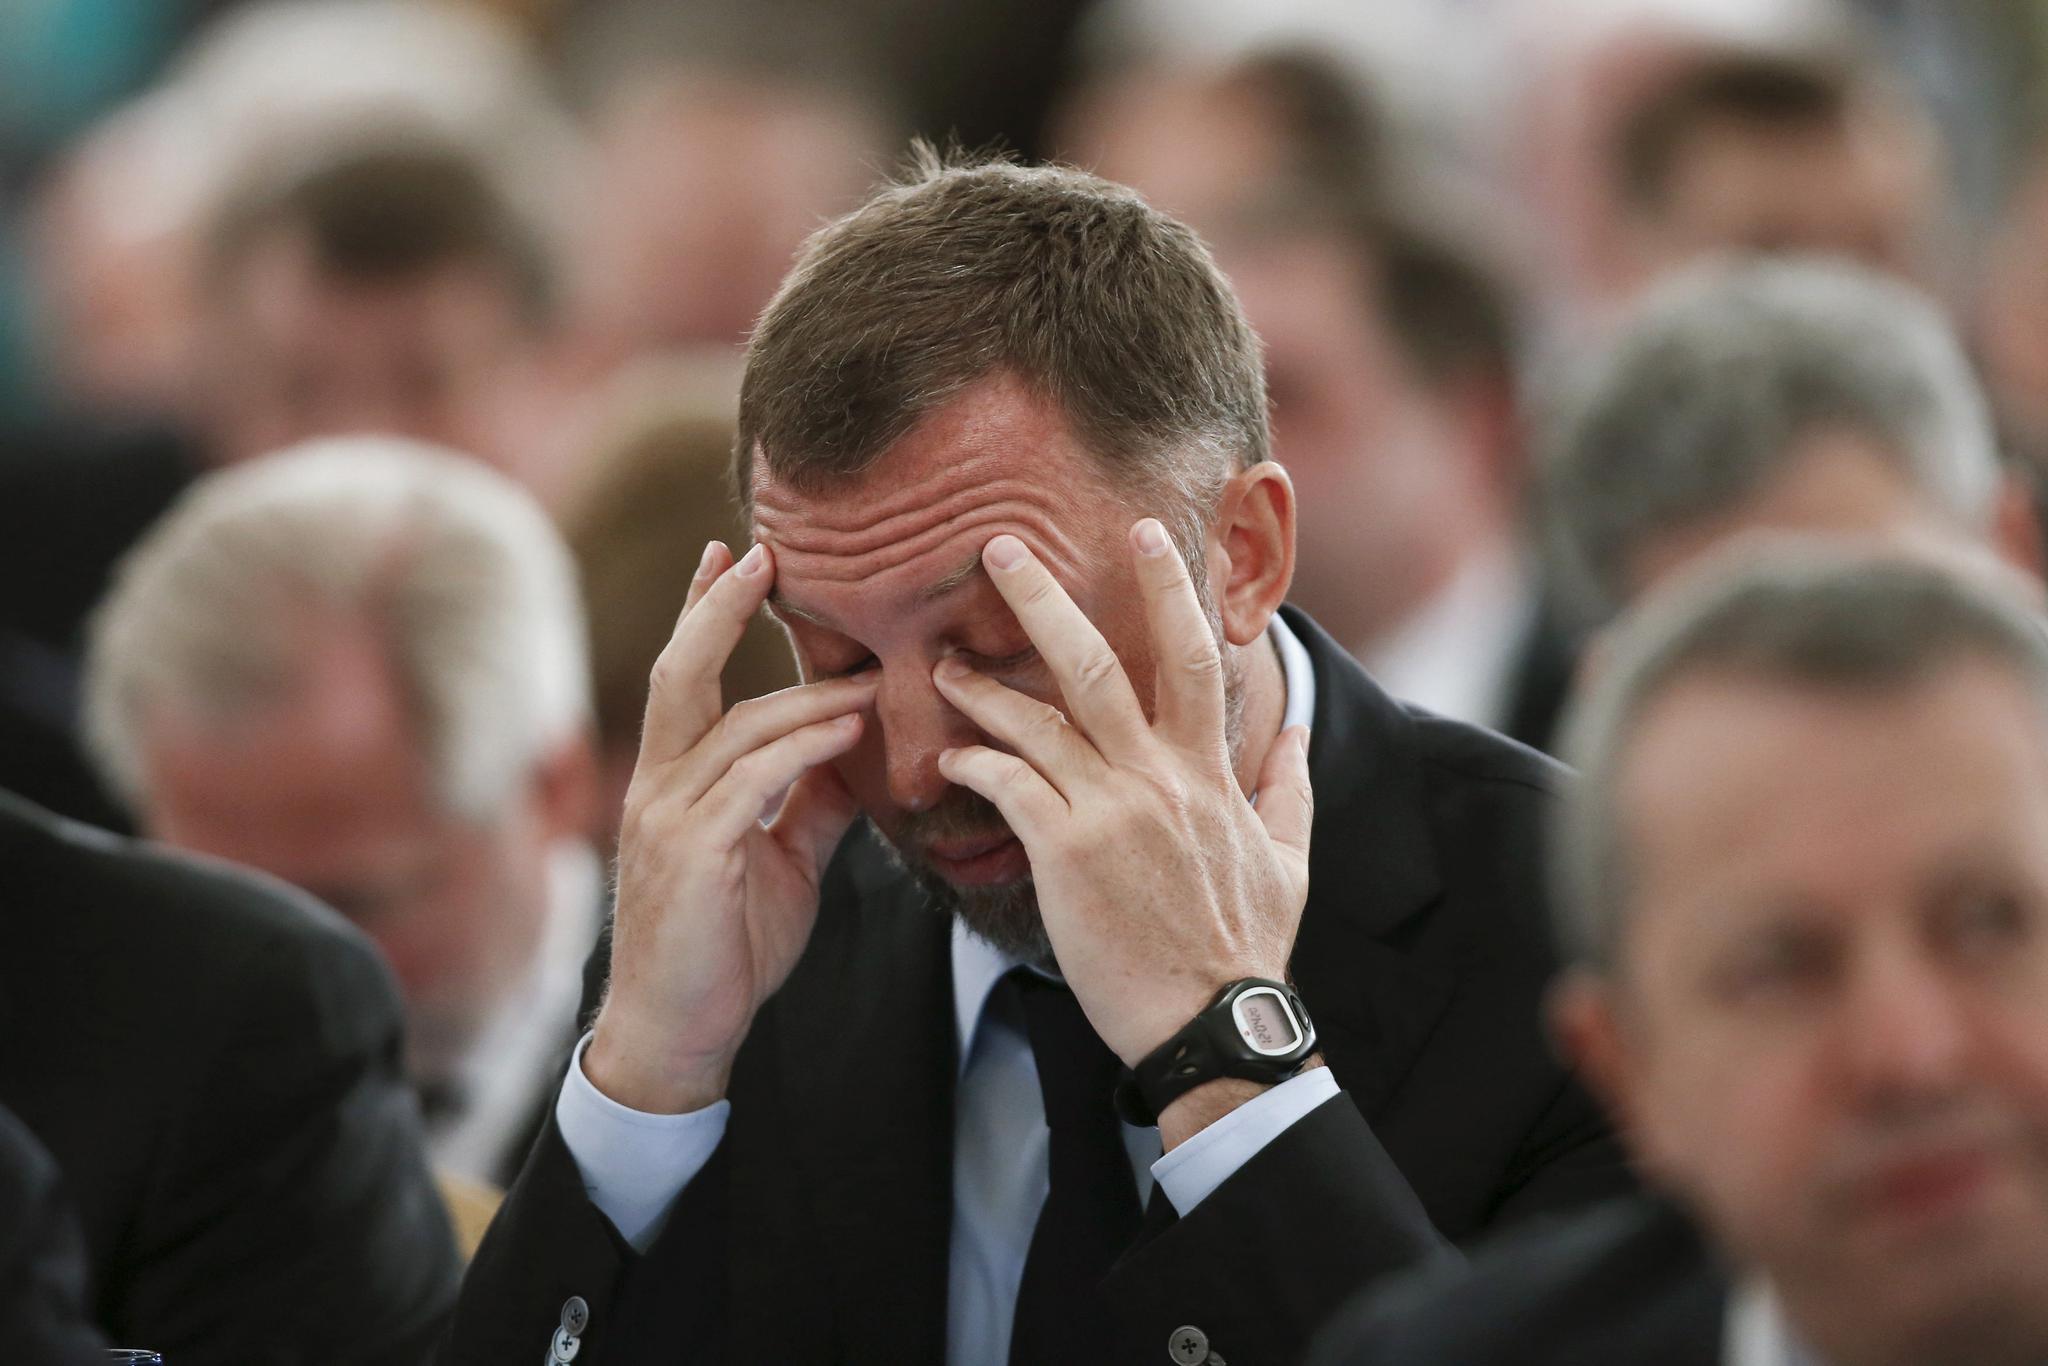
[(106, 896), (1626, 1277)]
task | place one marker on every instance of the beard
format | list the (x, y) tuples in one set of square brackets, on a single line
[(1007, 916)]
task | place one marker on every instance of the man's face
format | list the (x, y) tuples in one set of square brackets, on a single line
[(1833, 1006), (299, 352), (1853, 189), (327, 789), (1374, 467), (886, 574)]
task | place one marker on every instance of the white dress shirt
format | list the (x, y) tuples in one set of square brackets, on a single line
[(1456, 654), (1758, 1333), (503, 1079), (634, 1165)]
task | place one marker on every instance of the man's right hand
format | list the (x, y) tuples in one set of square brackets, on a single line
[(714, 905)]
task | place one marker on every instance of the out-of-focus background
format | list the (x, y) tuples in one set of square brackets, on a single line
[(536, 232)]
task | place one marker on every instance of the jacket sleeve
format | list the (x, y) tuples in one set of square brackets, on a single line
[(293, 1218), (1276, 1249), (550, 1245)]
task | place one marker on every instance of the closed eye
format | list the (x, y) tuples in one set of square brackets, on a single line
[(861, 665), (1006, 662)]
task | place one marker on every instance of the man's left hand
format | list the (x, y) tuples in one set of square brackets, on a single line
[(1157, 880)]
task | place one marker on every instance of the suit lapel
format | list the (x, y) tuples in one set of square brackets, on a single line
[(871, 1040), (1372, 867)]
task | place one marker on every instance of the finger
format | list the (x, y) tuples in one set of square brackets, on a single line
[(815, 816), (734, 803), (683, 701), (1037, 732), (761, 721), (1287, 803), (1188, 696), (1091, 678), (1030, 804), (715, 561)]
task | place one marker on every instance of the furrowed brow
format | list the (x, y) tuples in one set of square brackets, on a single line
[(959, 578)]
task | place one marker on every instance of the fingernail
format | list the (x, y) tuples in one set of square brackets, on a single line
[(704, 560), (1150, 536), (755, 559), (952, 666), (1004, 552), (945, 756)]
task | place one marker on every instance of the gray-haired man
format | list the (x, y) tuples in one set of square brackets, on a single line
[(1791, 396), (1807, 881)]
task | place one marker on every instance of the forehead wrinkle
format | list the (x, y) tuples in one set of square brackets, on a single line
[(842, 566), (812, 529)]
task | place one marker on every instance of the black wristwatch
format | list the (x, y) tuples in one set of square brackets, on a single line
[(1255, 1029)]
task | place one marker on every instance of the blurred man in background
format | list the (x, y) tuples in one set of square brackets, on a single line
[(383, 283), (717, 143), (1807, 900), (1755, 151), (1793, 396), (359, 666), (1391, 361)]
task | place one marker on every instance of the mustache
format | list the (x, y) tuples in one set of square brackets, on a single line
[(1908, 1135), (962, 814)]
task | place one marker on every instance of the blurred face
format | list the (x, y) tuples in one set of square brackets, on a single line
[(328, 790), (301, 353), (1858, 190), (1832, 1022), (887, 575), (1382, 485), (1836, 482)]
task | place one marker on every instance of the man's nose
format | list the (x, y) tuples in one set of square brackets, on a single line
[(1906, 1028), (917, 724)]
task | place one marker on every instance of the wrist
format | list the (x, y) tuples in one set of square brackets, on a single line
[(650, 1078), (1209, 1102)]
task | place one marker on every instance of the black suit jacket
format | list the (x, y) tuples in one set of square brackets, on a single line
[(213, 1062), (819, 1233), (42, 1260), (1622, 1285)]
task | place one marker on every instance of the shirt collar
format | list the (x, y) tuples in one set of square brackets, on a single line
[(978, 965), (1758, 1333)]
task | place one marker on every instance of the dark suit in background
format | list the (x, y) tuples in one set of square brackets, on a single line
[(820, 1231), (213, 1062), (42, 1260), (1628, 1284)]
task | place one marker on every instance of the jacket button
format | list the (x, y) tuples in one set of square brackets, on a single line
[(575, 1314), (565, 1347), (1189, 1346)]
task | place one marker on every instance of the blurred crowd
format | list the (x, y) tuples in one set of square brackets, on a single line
[(368, 376)]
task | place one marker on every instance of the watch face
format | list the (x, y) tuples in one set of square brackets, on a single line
[(1266, 1022)]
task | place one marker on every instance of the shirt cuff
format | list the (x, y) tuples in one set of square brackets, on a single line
[(1197, 1167), (634, 1164)]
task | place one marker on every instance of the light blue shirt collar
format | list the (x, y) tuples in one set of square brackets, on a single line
[(978, 965)]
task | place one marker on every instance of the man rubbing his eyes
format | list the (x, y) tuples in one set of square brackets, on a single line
[(1231, 1000)]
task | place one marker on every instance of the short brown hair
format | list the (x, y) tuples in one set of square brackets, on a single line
[(965, 269), (384, 207), (1767, 91)]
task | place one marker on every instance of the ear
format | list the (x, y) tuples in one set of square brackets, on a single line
[(1586, 1026), (2016, 527), (1251, 550), (566, 786)]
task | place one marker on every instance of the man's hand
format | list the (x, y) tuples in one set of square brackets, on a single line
[(1157, 880), (714, 906)]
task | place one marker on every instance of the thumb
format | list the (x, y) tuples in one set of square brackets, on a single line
[(814, 816), (1287, 805)]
